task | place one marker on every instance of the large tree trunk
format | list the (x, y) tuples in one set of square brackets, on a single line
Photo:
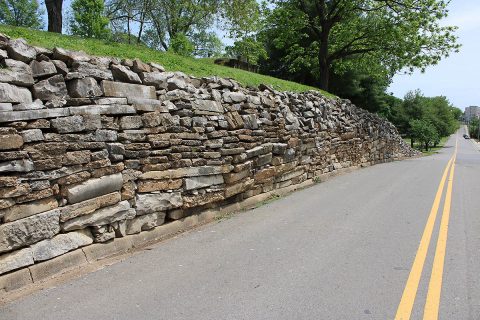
[(54, 11), (323, 63)]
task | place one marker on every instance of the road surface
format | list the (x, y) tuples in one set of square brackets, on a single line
[(354, 247)]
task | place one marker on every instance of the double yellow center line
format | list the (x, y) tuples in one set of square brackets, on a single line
[(435, 286)]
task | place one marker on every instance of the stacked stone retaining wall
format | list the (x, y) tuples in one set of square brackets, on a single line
[(93, 149)]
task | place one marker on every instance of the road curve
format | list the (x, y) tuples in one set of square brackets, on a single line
[(342, 249)]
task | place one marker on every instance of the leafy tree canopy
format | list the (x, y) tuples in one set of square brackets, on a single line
[(21, 13), (88, 19)]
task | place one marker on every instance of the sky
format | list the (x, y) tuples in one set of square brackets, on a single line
[(456, 77)]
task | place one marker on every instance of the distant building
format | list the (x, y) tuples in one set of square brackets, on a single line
[(471, 112)]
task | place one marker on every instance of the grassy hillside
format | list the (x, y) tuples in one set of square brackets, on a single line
[(171, 62)]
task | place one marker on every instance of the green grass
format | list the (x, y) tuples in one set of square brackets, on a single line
[(171, 62), (431, 150)]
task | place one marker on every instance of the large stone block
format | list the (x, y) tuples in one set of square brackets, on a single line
[(14, 94), (203, 181), (88, 206), (94, 188), (111, 109), (145, 222), (16, 72), (61, 244), (186, 172), (84, 88), (123, 74), (50, 89), (207, 107), (15, 260), (42, 68), (157, 202), (69, 124), (123, 90), (18, 49), (29, 230), (10, 141), (9, 116), (24, 210), (103, 216), (23, 165)]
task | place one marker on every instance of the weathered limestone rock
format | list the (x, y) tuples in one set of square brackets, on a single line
[(88, 206), (185, 172), (202, 199), (123, 90), (15, 190), (18, 49), (29, 230), (139, 66), (110, 109), (159, 185), (10, 141), (60, 244), (207, 107), (84, 69), (94, 188), (157, 79), (16, 260), (203, 181), (69, 124), (234, 97), (123, 74), (50, 89), (157, 202), (131, 122), (42, 68), (84, 88), (16, 166), (21, 211), (35, 105), (70, 56), (239, 187), (103, 216), (32, 135), (14, 94), (16, 72), (9, 116), (145, 222)]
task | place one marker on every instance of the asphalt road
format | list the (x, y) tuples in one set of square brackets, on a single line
[(342, 249)]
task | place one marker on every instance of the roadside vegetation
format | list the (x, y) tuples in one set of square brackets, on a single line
[(474, 128), (349, 48)]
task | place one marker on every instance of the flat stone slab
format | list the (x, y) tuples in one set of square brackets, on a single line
[(16, 260), (124, 90), (61, 244), (24, 210), (14, 94)]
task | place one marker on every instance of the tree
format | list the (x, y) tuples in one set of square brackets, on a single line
[(169, 18), (207, 44), (248, 49), (424, 132), (88, 19), (21, 13), (54, 12), (128, 15), (402, 35), (181, 45)]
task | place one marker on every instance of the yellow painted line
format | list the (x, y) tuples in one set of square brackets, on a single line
[(409, 293), (435, 286)]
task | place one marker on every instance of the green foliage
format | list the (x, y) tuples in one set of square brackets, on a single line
[(207, 45), (474, 128), (88, 19), (338, 34), (248, 49), (424, 132), (181, 45), (171, 62), (21, 13)]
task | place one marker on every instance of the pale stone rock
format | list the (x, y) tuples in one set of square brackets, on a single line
[(29, 230), (51, 88), (157, 202), (15, 260), (94, 188), (42, 68), (234, 97), (68, 124), (88, 206), (18, 49), (16, 72), (123, 90), (60, 244), (139, 66), (35, 105), (84, 88), (103, 216), (145, 222), (24, 210), (14, 94), (202, 181), (157, 79), (103, 109), (123, 74), (9, 116), (32, 135), (10, 141), (207, 107), (16, 166)]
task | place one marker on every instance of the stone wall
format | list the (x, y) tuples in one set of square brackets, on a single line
[(93, 149)]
